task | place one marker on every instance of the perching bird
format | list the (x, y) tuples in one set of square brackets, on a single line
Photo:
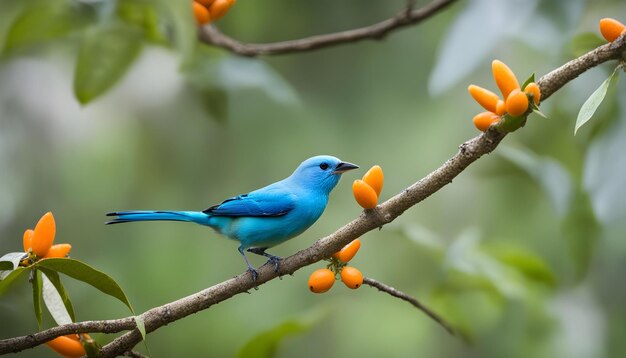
[(265, 217)]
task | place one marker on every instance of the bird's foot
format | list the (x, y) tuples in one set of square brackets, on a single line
[(255, 275), (275, 260), (272, 259)]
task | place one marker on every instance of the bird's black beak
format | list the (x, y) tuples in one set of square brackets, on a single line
[(344, 167)]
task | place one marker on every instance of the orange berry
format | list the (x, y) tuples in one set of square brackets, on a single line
[(347, 252), (351, 277), (321, 280), (505, 78), (483, 120), (59, 250), (364, 194), (500, 108), (611, 29), (43, 235), (375, 178), (484, 97), (28, 240), (517, 103), (219, 8), (533, 89), (68, 346), (201, 13), (206, 3)]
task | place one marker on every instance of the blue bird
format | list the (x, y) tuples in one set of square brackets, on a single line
[(265, 217)]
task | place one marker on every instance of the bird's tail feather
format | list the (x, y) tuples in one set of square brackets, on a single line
[(144, 215)]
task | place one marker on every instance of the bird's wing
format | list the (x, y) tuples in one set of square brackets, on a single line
[(262, 202)]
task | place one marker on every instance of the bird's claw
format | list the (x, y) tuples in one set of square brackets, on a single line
[(255, 275), (275, 260)]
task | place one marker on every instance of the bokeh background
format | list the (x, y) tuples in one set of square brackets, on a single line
[(525, 252)]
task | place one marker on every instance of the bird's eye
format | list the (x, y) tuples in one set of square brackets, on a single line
[(323, 166)]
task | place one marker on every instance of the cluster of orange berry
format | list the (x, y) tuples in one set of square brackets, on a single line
[(515, 103), (366, 191), (323, 279), (38, 243), (611, 29), (71, 345), (206, 11)]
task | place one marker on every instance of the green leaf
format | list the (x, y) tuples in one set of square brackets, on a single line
[(179, 17), (83, 272), (92, 348), (528, 263), (216, 78), (539, 113), (141, 326), (11, 277), (36, 282), (4, 274), (472, 313), (143, 14), (530, 79), (11, 260), (105, 55), (54, 292), (265, 344), (467, 264), (593, 102), (236, 74), (509, 124), (45, 21)]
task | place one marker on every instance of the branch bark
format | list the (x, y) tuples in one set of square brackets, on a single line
[(407, 17), (369, 220)]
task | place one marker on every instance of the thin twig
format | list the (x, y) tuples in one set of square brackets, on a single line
[(417, 304), (135, 354), (323, 248), (407, 17)]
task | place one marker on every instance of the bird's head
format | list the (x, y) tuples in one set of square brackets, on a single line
[(321, 172)]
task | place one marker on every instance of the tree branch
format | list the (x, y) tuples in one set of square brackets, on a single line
[(323, 248), (403, 296), (406, 17), (17, 344), (553, 81)]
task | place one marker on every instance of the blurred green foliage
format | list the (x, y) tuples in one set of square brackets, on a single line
[(524, 252)]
